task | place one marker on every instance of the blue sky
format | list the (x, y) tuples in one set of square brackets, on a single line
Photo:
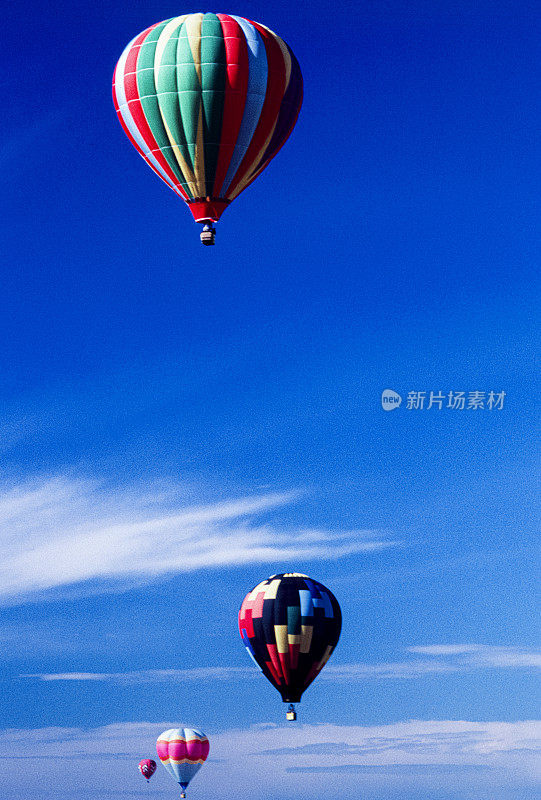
[(180, 422)]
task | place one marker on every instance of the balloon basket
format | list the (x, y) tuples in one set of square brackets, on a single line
[(208, 234), (291, 714)]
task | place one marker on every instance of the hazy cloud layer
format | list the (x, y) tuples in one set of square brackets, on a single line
[(62, 531), (499, 755), (445, 659)]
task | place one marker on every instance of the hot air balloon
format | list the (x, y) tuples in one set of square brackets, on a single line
[(290, 625), (207, 100), (182, 751), (147, 768)]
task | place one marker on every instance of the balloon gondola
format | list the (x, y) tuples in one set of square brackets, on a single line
[(207, 100), (290, 625), (208, 234)]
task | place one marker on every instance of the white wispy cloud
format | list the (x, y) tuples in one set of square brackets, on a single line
[(148, 675), (482, 655), (63, 531), (410, 753), (445, 649), (441, 659), (447, 659)]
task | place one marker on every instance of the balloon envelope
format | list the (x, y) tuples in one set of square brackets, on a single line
[(182, 751), (207, 100), (290, 625), (147, 768)]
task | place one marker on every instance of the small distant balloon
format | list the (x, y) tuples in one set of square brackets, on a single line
[(182, 751), (147, 768)]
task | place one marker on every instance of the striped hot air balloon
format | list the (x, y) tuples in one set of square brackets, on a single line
[(290, 625), (207, 100), (182, 751)]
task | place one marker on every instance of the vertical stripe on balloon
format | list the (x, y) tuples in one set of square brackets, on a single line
[(269, 112), (236, 85), (155, 160), (255, 97), (188, 96), (165, 71), (189, 84), (137, 113), (213, 75), (146, 89), (289, 112)]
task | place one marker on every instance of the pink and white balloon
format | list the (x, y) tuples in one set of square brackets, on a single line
[(182, 751)]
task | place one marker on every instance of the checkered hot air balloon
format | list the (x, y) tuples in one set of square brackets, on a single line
[(207, 100), (182, 751), (290, 625)]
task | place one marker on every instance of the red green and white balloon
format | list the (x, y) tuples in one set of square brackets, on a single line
[(207, 100)]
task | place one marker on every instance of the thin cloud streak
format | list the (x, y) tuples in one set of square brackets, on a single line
[(149, 675), (483, 656), (76, 531), (450, 659), (445, 659)]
